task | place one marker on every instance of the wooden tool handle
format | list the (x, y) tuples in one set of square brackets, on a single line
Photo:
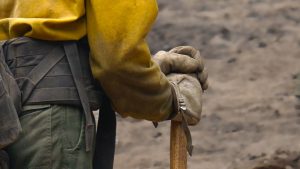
[(178, 152)]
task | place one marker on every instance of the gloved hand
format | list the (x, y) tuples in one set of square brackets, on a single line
[(194, 53), (187, 94), (187, 97), (185, 60)]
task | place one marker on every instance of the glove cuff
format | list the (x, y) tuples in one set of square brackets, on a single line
[(175, 94), (179, 108)]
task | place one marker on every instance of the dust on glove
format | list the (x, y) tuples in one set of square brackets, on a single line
[(187, 92), (194, 53), (187, 97), (184, 60)]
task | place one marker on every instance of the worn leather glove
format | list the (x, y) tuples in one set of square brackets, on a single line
[(187, 97), (185, 60), (194, 53), (187, 92)]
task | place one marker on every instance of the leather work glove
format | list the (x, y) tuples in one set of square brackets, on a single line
[(185, 60), (187, 92), (187, 97), (194, 53)]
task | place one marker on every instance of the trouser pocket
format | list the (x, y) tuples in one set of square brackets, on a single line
[(52, 138), (33, 147), (73, 131), (72, 128)]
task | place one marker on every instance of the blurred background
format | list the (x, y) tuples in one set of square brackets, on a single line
[(252, 52)]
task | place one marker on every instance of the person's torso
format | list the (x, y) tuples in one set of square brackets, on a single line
[(43, 19)]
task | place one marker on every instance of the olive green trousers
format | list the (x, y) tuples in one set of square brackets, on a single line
[(52, 138)]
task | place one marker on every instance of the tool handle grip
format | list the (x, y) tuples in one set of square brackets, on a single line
[(178, 153)]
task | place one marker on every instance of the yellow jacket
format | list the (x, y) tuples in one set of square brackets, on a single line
[(116, 29)]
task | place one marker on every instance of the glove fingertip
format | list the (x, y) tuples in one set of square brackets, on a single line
[(205, 86), (203, 76), (176, 49), (187, 50)]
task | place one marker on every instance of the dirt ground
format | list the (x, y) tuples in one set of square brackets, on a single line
[(252, 51)]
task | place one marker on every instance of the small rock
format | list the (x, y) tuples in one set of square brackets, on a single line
[(232, 127), (295, 76), (274, 31), (262, 45), (297, 107), (252, 37), (225, 33), (157, 164), (231, 60), (277, 113), (159, 134)]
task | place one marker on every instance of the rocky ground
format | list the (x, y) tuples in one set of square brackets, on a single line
[(252, 51)]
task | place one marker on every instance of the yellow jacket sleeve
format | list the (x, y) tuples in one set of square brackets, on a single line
[(121, 60)]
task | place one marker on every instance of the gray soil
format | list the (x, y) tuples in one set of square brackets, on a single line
[(249, 120)]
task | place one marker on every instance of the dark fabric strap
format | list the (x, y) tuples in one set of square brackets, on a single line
[(74, 62), (188, 136), (106, 136), (52, 82), (61, 69), (38, 72), (38, 96)]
